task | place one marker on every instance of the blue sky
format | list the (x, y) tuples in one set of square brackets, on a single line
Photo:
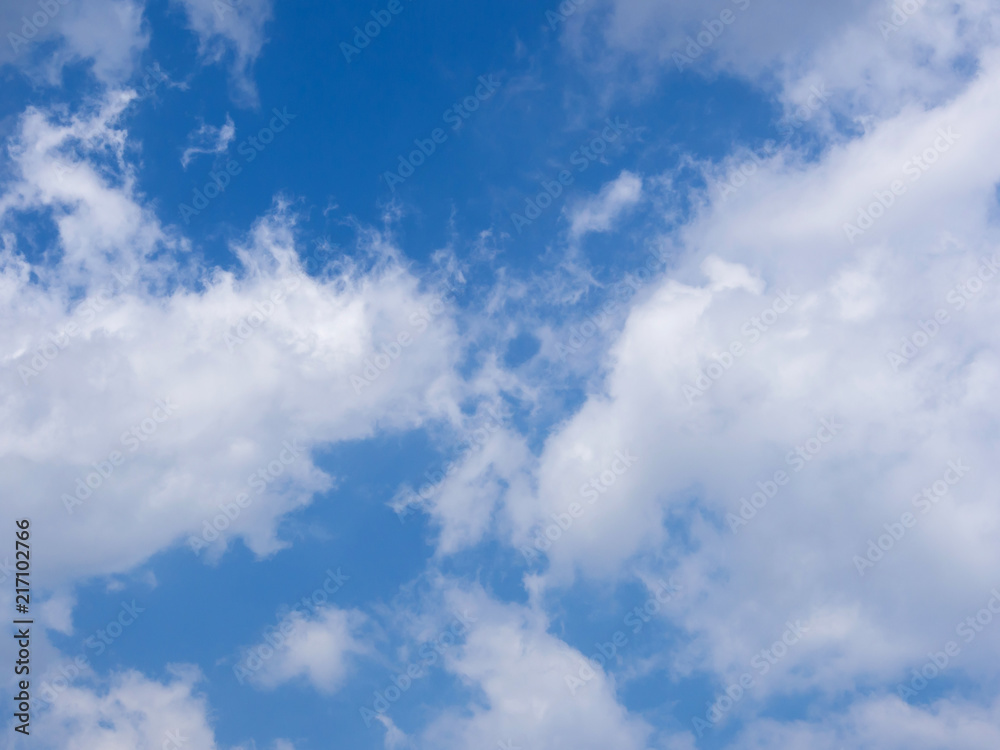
[(600, 374)]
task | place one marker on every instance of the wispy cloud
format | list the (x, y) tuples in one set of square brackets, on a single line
[(208, 139), (600, 212)]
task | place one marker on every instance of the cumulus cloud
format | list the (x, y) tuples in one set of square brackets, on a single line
[(515, 673), (820, 358), (316, 648), (814, 363), (132, 711), (149, 402), (463, 496), (808, 376)]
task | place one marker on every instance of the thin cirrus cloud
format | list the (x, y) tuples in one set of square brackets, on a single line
[(600, 212), (209, 139), (231, 30)]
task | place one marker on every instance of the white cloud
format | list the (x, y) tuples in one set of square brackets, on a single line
[(100, 222), (395, 738), (247, 374), (600, 212), (132, 712), (815, 316), (463, 503), (110, 34), (208, 139), (870, 71), (231, 28), (57, 613), (883, 724), (317, 648), (516, 675), (773, 323)]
